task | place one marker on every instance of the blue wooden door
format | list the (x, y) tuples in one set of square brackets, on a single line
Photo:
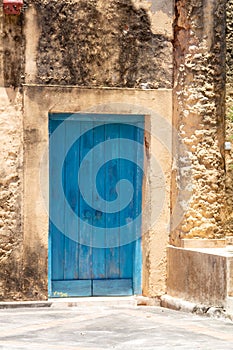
[(95, 225)]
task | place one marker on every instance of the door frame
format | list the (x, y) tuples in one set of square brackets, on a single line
[(137, 254), (38, 102)]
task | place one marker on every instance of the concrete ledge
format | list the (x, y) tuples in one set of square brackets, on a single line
[(170, 302), (229, 305), (198, 275), (203, 243), (147, 301), (24, 304)]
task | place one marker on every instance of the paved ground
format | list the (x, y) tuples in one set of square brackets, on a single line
[(111, 328)]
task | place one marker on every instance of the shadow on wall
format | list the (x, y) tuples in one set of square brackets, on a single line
[(97, 43)]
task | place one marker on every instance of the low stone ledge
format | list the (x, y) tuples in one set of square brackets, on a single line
[(203, 243), (199, 275), (24, 304), (170, 302)]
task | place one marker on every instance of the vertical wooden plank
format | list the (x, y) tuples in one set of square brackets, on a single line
[(99, 220), (112, 220), (85, 211), (137, 271), (71, 165), (126, 215), (56, 151), (50, 130)]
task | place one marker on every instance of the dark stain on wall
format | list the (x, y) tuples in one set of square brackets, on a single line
[(87, 44), (13, 50), (82, 43), (34, 286)]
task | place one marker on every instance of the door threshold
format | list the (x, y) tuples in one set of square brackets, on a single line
[(122, 301)]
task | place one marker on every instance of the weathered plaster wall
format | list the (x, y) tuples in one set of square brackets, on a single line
[(13, 46), (229, 118), (11, 236), (11, 193), (103, 43), (92, 43), (123, 44), (199, 54)]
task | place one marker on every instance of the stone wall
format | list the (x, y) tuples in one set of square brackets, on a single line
[(11, 193), (229, 118), (11, 158), (87, 43), (199, 169), (101, 43), (118, 44)]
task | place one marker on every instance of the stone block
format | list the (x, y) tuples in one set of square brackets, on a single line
[(198, 275)]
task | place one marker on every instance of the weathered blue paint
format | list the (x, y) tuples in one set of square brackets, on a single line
[(85, 211), (79, 269), (72, 288), (99, 255), (137, 253), (70, 176), (112, 287)]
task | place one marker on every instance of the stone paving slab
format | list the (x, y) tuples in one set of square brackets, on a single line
[(95, 328)]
